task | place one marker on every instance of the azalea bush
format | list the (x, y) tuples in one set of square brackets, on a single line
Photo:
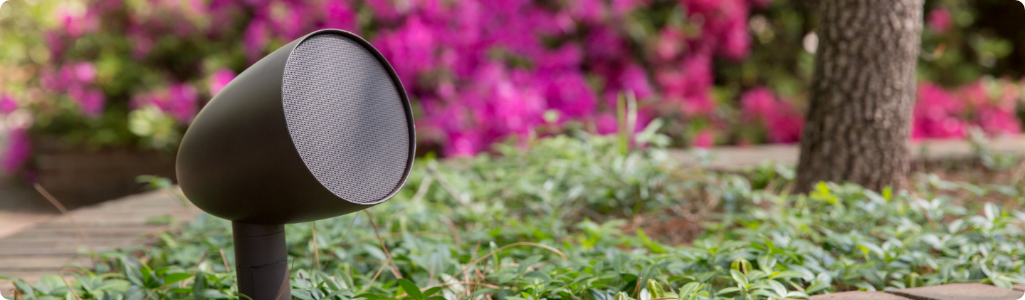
[(116, 73), (578, 218)]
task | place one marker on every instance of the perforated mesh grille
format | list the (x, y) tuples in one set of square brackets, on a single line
[(346, 118)]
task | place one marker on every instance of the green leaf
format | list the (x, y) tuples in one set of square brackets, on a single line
[(786, 274), (656, 289), (199, 291), (23, 286), (173, 278), (133, 273), (728, 290), (991, 211), (370, 296), (411, 289), (739, 277), (432, 291)]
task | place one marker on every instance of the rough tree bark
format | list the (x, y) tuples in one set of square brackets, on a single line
[(862, 93)]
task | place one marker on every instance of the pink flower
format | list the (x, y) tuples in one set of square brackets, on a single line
[(736, 43), (724, 29), (7, 104), (782, 122), (75, 79), (255, 40), (587, 10), (384, 9), (670, 43), (59, 79), (758, 104), (606, 123), (603, 42), (85, 72), (996, 121), (220, 79), (288, 19), (635, 78), (338, 14), (463, 144), (142, 44), (937, 114), (76, 23), (183, 102), (18, 152), (566, 57), (410, 48), (569, 93), (179, 100), (701, 104), (690, 84), (704, 139), (940, 20), (54, 42), (90, 101), (786, 127)]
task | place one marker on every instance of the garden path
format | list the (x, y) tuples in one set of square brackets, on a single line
[(736, 158), (49, 242)]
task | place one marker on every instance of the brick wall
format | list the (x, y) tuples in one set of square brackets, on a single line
[(78, 176)]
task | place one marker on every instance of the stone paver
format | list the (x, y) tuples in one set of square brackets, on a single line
[(959, 291), (52, 242), (11, 223), (858, 295)]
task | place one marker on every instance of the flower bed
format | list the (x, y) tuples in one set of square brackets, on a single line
[(560, 222)]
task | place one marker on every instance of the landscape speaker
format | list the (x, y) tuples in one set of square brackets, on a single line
[(318, 129)]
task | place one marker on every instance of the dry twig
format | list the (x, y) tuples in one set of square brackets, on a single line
[(64, 212)]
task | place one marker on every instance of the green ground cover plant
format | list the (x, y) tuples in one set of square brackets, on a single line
[(558, 220)]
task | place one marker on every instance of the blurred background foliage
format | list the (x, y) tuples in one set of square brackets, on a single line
[(133, 73)]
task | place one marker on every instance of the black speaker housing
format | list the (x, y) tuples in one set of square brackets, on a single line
[(238, 160)]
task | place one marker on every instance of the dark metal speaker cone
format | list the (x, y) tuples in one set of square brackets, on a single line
[(319, 128)]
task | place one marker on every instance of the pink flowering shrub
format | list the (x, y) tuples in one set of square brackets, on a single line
[(76, 80), (780, 120), (478, 72), (987, 104), (937, 114)]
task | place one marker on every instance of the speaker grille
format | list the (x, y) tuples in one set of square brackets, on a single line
[(346, 118)]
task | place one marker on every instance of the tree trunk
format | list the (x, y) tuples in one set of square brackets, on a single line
[(862, 94)]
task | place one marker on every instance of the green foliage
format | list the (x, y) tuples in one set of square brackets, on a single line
[(551, 222)]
